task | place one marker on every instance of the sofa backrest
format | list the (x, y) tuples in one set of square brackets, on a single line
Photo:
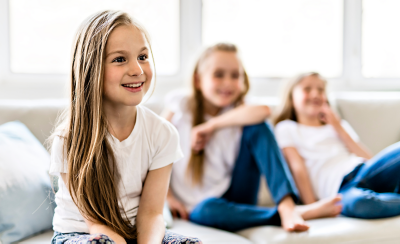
[(375, 116)]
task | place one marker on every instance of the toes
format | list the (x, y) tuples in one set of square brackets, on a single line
[(289, 228)]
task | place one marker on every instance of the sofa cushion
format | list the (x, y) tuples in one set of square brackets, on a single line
[(331, 230), (206, 234), (25, 192)]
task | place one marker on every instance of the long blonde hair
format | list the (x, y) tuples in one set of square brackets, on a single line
[(195, 168), (92, 172), (286, 109)]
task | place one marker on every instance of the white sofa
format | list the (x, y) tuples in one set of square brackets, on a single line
[(374, 115)]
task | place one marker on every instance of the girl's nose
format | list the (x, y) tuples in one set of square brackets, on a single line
[(135, 69)]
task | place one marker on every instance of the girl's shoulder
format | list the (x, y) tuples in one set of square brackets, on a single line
[(286, 124), (153, 123)]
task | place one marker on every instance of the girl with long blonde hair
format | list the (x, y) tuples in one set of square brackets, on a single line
[(227, 147), (326, 158), (114, 156)]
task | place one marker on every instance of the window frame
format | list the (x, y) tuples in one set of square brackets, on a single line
[(190, 46)]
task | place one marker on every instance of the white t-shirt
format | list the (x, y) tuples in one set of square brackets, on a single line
[(152, 144), (326, 157), (220, 156)]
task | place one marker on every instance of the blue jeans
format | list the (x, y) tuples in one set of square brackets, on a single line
[(372, 189), (236, 209)]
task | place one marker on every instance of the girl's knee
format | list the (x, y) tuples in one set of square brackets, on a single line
[(171, 237), (207, 210), (262, 129), (99, 239), (361, 204)]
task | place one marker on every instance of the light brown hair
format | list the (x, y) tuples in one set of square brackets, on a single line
[(92, 172), (195, 168), (286, 109)]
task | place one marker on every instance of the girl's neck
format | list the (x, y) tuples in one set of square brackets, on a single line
[(121, 119), (308, 120), (210, 108)]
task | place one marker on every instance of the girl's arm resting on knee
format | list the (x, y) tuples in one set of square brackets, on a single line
[(241, 116), (95, 228), (300, 174), (150, 221), (105, 230)]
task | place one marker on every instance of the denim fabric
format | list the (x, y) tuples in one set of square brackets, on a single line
[(372, 190), (85, 238), (236, 209)]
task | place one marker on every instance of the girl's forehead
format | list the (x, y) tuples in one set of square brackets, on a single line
[(222, 60), (311, 80), (125, 37)]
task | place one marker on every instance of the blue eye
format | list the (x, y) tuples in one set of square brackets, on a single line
[(142, 57), (119, 60)]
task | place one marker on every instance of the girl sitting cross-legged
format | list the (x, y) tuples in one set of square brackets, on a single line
[(114, 156)]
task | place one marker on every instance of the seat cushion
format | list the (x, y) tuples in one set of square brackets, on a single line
[(331, 230), (206, 234)]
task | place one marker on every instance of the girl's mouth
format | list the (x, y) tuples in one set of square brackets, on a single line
[(133, 87), (225, 93)]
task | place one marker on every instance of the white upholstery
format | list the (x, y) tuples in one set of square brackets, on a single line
[(331, 230), (375, 116), (206, 234)]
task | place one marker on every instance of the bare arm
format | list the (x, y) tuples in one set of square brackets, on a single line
[(95, 228), (352, 145), (241, 116), (300, 175), (176, 207), (150, 221), (329, 117)]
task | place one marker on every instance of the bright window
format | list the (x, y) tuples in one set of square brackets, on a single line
[(381, 38), (279, 38), (42, 31)]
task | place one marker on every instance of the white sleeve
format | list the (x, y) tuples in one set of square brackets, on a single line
[(347, 127), (284, 134), (167, 147), (176, 100), (58, 162)]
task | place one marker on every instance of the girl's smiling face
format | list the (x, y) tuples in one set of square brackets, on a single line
[(309, 96), (127, 70), (221, 78)]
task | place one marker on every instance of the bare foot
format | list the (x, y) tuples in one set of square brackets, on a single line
[(329, 207), (291, 219)]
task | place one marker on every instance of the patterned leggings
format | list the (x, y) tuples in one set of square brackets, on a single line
[(84, 238)]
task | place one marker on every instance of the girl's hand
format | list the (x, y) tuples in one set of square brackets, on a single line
[(201, 134), (328, 116), (177, 207)]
